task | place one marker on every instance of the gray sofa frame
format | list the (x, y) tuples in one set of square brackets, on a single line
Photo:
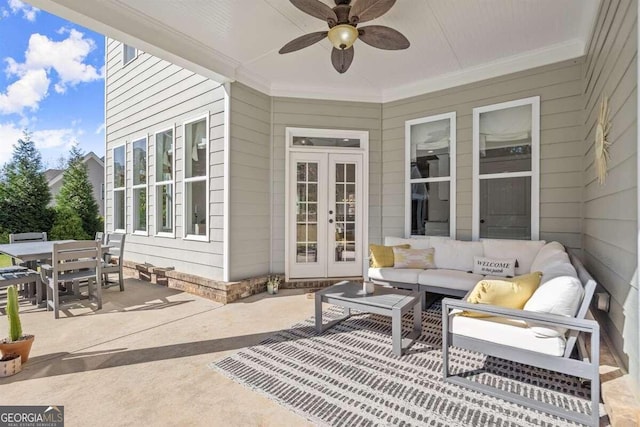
[(584, 367)]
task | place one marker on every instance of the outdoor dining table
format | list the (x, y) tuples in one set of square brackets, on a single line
[(31, 252)]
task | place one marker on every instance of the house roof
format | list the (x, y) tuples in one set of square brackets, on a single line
[(452, 42), (55, 175)]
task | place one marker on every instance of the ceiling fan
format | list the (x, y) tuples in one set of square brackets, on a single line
[(343, 20)]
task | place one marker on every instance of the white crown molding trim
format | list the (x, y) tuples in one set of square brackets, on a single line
[(330, 93), (253, 80), (531, 59)]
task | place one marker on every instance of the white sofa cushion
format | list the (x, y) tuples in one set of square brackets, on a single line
[(509, 332), (557, 268), (547, 254), (456, 254), (449, 279), (524, 251), (561, 295), (403, 275), (418, 243)]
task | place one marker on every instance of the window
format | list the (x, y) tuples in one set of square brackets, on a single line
[(119, 189), (430, 176), (129, 53), (506, 181), (196, 178), (164, 182), (139, 171)]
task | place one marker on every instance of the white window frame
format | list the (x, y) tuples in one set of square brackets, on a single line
[(145, 186), (117, 189), (451, 179), (124, 57), (171, 182), (185, 180), (534, 173)]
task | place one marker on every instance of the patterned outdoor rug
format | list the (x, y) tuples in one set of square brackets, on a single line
[(349, 376)]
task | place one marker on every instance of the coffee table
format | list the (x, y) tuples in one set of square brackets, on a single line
[(391, 302)]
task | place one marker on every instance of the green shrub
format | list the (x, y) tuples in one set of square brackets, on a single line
[(68, 225)]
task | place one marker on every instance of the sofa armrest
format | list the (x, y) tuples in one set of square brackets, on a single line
[(582, 325)]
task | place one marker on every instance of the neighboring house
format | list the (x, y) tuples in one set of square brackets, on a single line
[(288, 167), (95, 170)]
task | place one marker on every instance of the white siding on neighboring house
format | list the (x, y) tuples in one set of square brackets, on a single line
[(95, 172), (143, 97), (559, 87), (294, 112), (610, 213)]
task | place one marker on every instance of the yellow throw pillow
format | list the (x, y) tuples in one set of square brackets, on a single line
[(382, 256), (509, 293)]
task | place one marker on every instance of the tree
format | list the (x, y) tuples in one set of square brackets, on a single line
[(24, 193), (76, 193), (68, 225)]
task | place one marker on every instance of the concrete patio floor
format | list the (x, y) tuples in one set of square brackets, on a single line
[(142, 359)]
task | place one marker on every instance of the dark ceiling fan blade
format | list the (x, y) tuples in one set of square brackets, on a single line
[(342, 59), (303, 41), (366, 10), (383, 37), (316, 8)]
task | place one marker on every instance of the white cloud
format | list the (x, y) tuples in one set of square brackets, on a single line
[(27, 92), (43, 57), (28, 12), (59, 140), (100, 129)]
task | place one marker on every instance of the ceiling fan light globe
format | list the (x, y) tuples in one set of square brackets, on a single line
[(343, 36)]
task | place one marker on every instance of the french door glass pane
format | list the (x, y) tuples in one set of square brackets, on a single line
[(345, 209), (196, 213), (430, 209), (164, 204), (140, 209), (505, 208), (164, 156), (430, 149), (505, 140), (118, 210), (306, 212), (306, 141)]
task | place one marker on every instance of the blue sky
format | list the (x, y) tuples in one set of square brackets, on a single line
[(51, 82)]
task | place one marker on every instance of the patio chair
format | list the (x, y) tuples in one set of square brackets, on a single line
[(25, 238), (490, 338), (19, 275), (113, 259), (99, 237), (73, 262)]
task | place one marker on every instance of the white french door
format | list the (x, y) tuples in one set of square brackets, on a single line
[(325, 214)]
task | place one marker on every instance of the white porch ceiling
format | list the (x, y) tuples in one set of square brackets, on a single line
[(453, 42)]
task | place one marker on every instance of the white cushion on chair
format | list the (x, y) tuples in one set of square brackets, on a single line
[(514, 333), (524, 251), (562, 296), (552, 251), (451, 279), (557, 269), (404, 275)]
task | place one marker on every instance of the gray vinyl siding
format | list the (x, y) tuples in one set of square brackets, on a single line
[(610, 211), (143, 97), (250, 183), (295, 112), (560, 89)]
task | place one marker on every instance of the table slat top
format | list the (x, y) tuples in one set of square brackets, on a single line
[(381, 297)]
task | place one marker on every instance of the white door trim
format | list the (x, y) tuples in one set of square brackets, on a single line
[(363, 136), (534, 101)]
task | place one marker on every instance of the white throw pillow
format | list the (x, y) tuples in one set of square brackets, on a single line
[(549, 252), (494, 266), (557, 269), (417, 243), (561, 295), (456, 254), (524, 251)]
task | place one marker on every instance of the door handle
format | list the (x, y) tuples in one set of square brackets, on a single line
[(330, 221), (482, 221), (330, 212)]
